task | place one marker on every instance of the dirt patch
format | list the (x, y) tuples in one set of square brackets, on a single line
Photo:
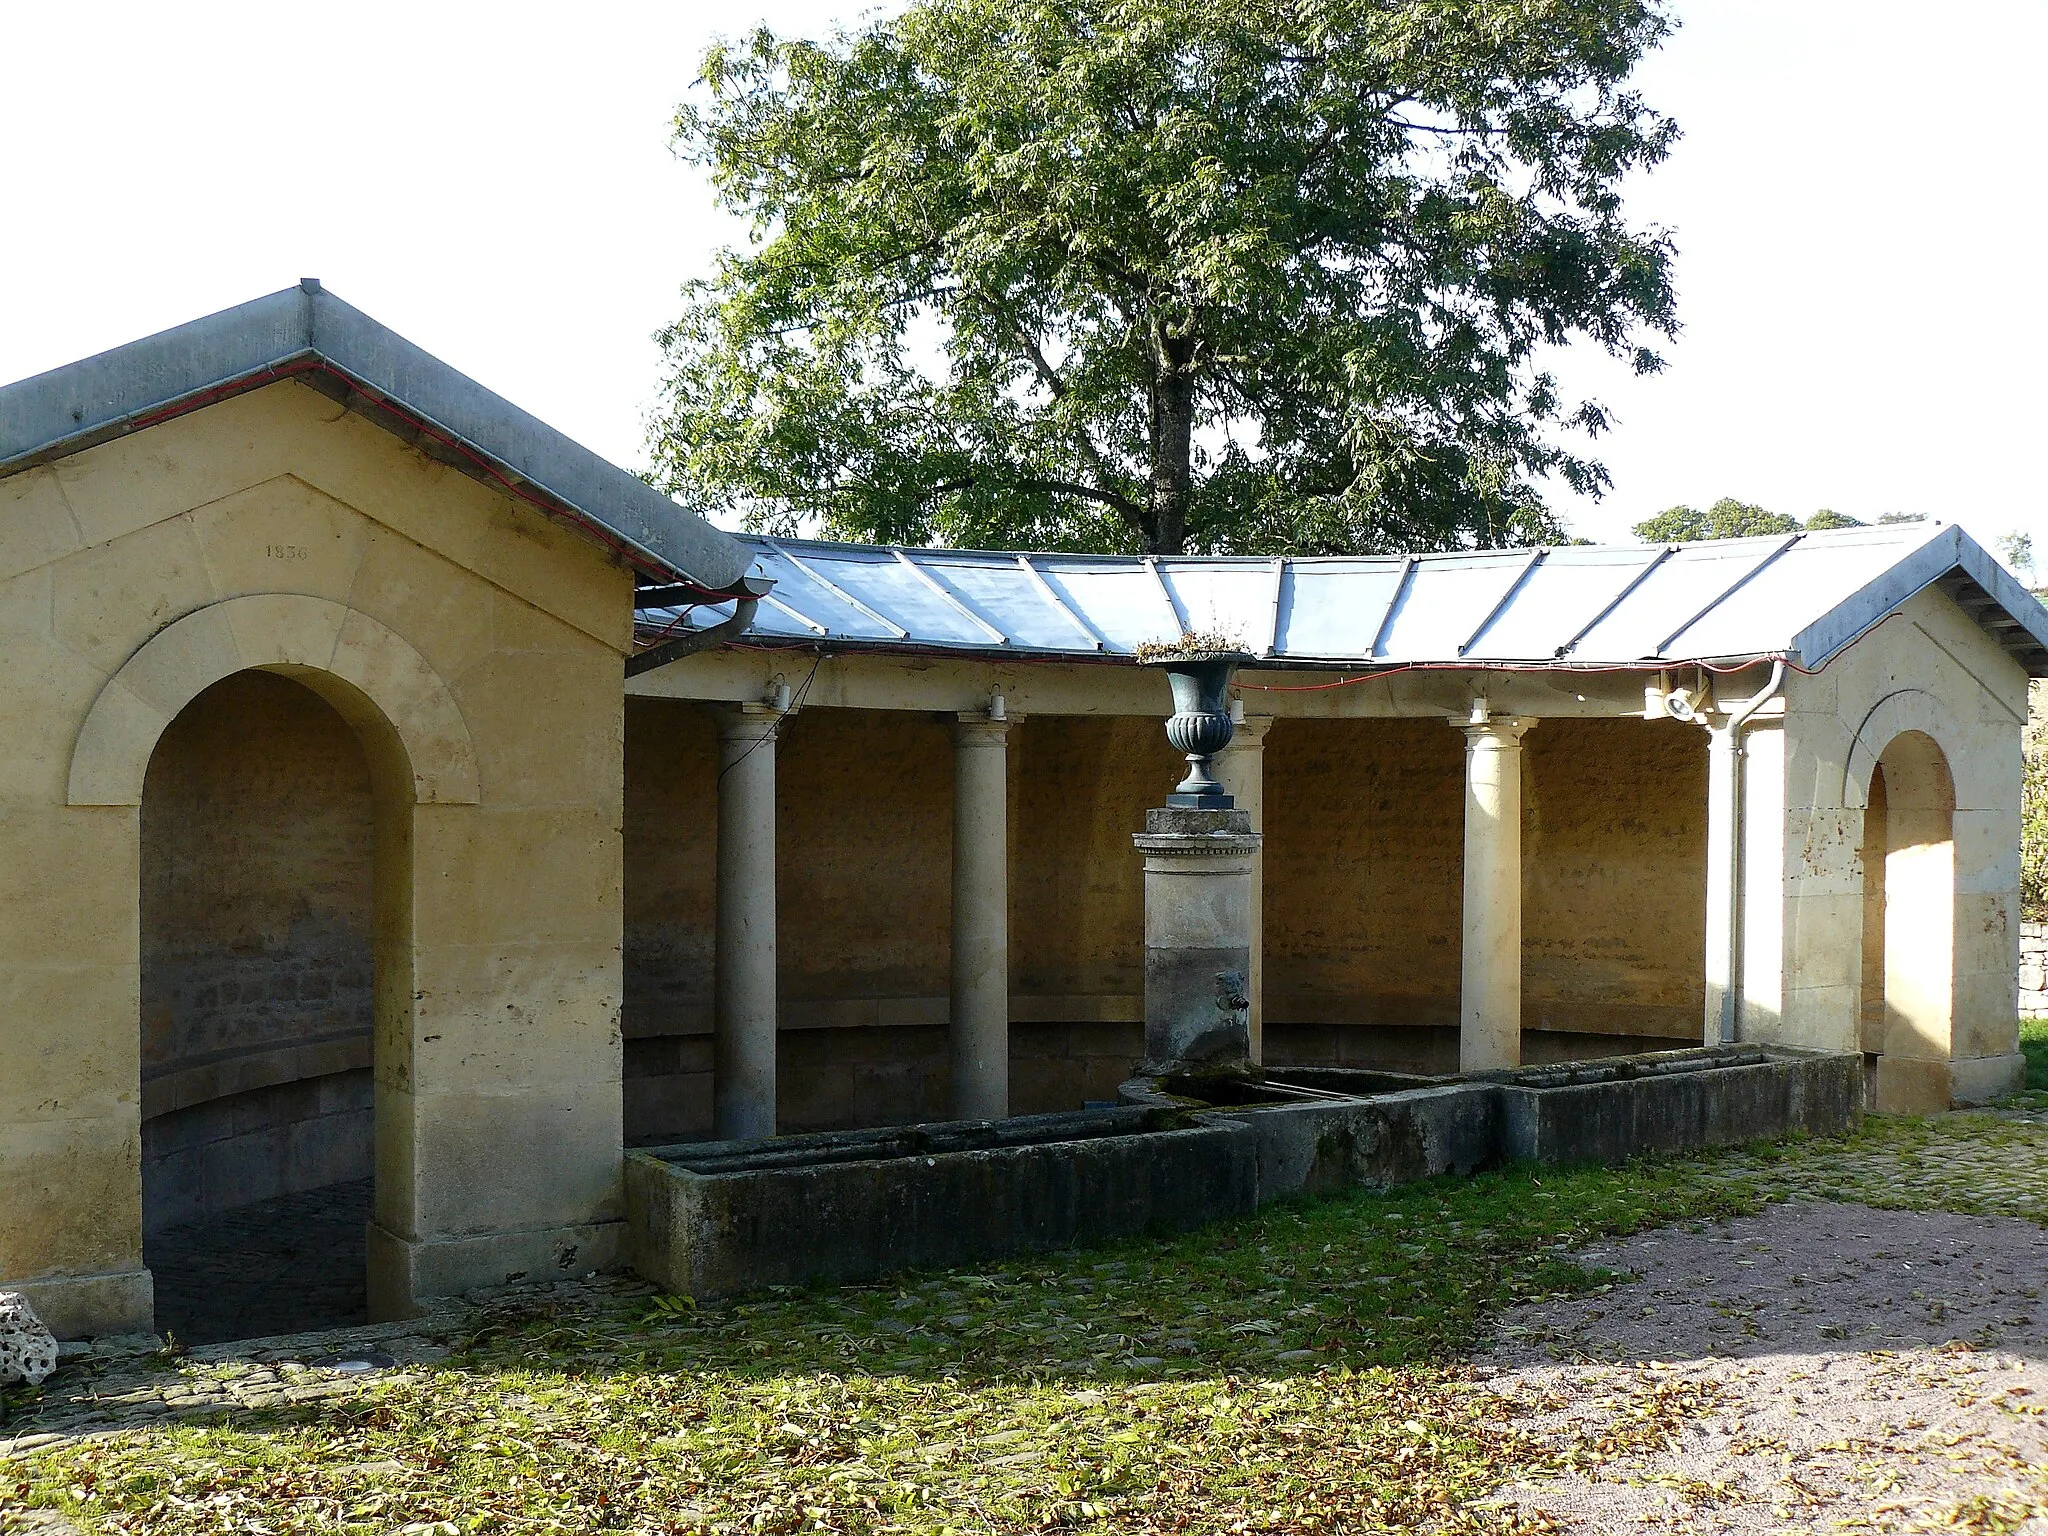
[(1812, 1368)]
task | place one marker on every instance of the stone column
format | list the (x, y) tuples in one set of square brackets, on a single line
[(1241, 769), (980, 1041), (1490, 999), (743, 1028), (1198, 904)]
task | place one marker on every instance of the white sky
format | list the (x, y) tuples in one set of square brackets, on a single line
[(1858, 203)]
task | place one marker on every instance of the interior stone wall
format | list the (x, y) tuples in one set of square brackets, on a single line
[(1614, 878), (864, 806), (256, 951), (1364, 855)]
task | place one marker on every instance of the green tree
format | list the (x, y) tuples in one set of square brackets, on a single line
[(2016, 549), (1725, 519), (1828, 518), (1732, 519), (1166, 274)]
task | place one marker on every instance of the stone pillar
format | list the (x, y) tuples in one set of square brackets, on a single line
[(1198, 907), (1241, 770), (1490, 999), (980, 1040), (743, 1028)]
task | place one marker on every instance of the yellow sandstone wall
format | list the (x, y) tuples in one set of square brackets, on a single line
[(1364, 823), (475, 648), (1614, 878)]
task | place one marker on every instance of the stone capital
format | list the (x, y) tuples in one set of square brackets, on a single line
[(750, 721), (1492, 732), (976, 728)]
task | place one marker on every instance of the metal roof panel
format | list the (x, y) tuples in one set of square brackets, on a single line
[(1648, 606)]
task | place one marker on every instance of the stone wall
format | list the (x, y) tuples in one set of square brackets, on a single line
[(1364, 877), (2034, 970)]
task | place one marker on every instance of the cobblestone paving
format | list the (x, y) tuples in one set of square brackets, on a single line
[(135, 1381), (1989, 1163), (289, 1265)]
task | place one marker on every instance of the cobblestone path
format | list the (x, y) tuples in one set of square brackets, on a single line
[(128, 1383), (289, 1265)]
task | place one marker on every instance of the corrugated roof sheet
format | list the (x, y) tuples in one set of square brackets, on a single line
[(1801, 596)]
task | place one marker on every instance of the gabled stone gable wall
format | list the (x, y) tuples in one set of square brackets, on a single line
[(1929, 669), (475, 646)]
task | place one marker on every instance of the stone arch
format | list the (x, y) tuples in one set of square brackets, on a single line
[(1912, 711), (1911, 915), (380, 684)]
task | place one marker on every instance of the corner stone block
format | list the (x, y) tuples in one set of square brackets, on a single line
[(36, 526), (78, 1206), (107, 601), (1980, 1079), (1909, 1087), (488, 1163), (405, 1274), (84, 1069), (83, 911)]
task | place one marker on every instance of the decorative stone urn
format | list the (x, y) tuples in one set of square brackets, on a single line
[(1200, 725)]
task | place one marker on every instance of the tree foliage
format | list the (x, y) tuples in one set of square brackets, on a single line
[(1228, 275), (1732, 519)]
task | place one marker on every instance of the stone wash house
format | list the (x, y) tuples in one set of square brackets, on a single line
[(338, 851)]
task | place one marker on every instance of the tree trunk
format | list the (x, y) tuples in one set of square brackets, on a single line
[(1173, 447)]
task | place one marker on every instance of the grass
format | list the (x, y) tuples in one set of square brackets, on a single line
[(1298, 1371), (2034, 1045)]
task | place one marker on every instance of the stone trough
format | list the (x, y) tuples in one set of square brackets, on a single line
[(719, 1218)]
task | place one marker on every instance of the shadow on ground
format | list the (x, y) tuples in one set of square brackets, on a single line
[(289, 1265)]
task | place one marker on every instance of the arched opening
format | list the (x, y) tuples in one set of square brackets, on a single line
[(1909, 925), (258, 1002)]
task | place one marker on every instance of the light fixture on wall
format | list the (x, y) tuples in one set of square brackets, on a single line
[(1661, 701), (1684, 703)]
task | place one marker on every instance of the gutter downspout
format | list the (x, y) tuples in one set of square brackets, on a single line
[(704, 639), (1724, 862)]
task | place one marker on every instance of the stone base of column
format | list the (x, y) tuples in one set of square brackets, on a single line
[(92, 1306), (406, 1273), (1907, 1086), (1198, 913)]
